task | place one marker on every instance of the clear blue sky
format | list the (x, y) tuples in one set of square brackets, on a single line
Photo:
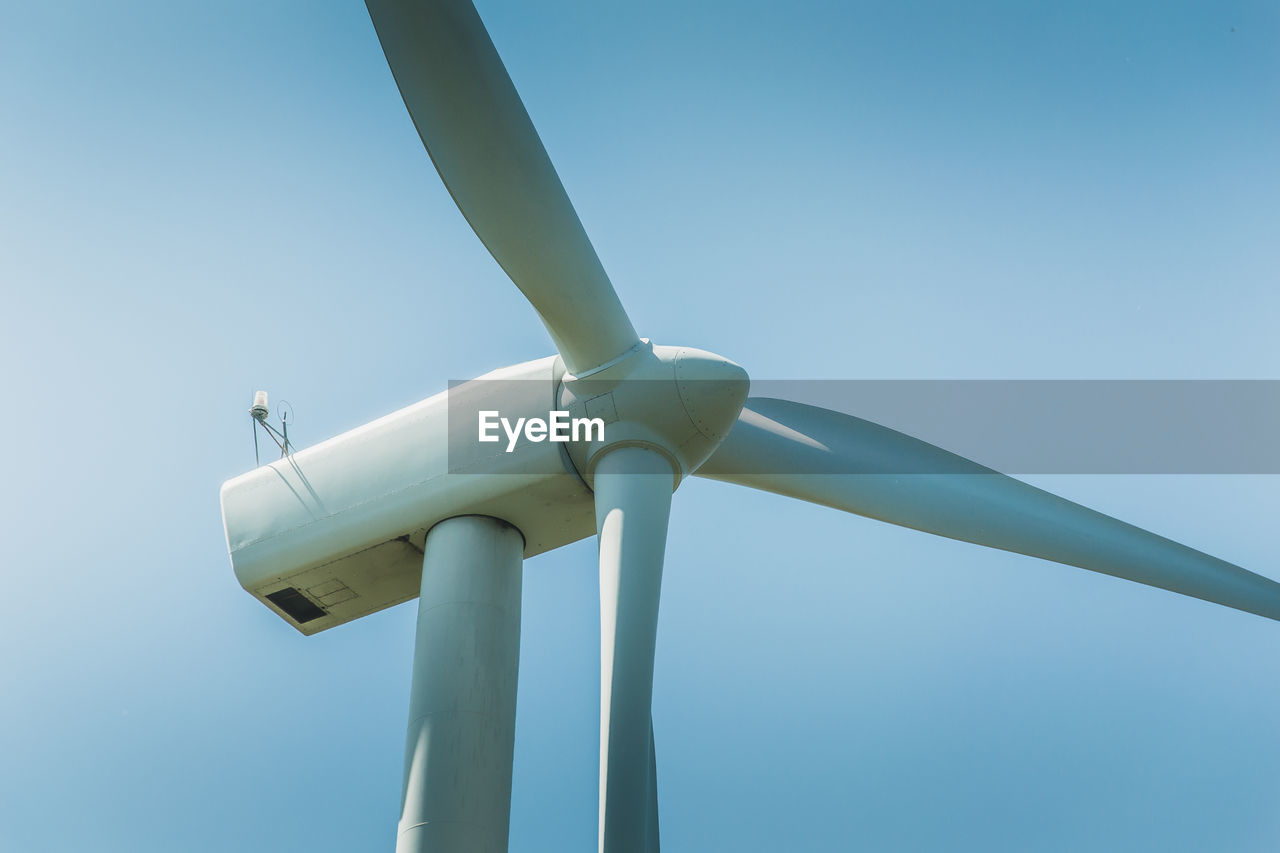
[(197, 200)]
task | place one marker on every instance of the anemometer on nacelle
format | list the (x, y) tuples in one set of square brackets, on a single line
[(259, 412)]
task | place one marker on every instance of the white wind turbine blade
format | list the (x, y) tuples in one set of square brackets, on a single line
[(633, 504), (844, 462), (488, 154)]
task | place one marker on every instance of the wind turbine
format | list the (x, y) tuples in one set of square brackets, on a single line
[(416, 504)]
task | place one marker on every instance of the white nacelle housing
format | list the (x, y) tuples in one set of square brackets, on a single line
[(334, 532)]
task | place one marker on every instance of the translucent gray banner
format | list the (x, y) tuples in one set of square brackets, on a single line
[(1012, 426)]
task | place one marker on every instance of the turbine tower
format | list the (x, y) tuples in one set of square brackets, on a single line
[(417, 504)]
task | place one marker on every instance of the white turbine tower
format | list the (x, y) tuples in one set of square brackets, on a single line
[(415, 504)]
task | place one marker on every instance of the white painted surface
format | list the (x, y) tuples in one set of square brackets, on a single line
[(462, 705), (633, 506), (356, 507)]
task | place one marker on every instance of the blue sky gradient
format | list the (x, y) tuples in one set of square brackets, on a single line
[(204, 199)]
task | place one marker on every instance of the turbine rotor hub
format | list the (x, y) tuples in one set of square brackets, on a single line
[(678, 401)]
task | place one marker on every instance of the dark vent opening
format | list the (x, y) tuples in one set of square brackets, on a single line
[(296, 606)]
